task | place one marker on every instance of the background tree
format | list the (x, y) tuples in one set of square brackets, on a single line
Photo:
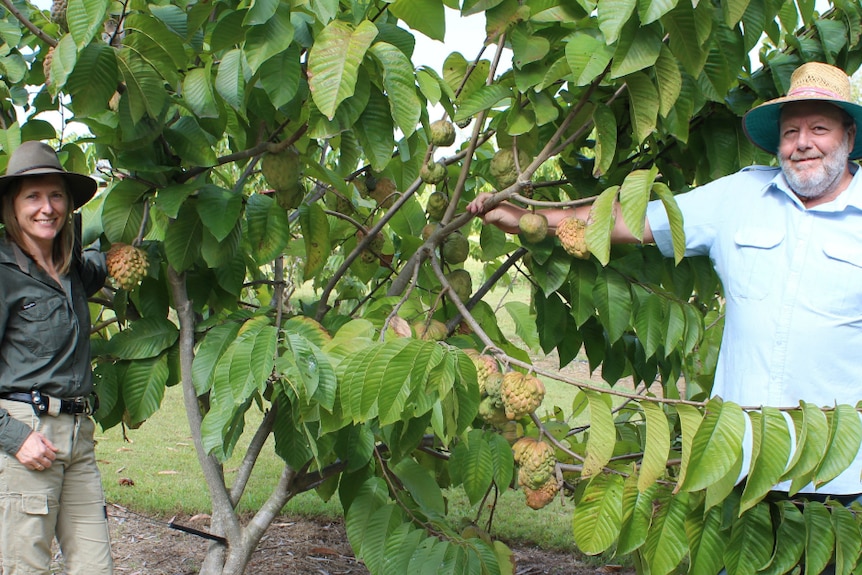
[(249, 147)]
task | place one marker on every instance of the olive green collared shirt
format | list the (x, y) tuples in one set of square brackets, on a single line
[(44, 331)]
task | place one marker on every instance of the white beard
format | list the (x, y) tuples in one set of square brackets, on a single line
[(814, 183)]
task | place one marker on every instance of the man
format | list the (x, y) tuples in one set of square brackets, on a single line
[(787, 245)]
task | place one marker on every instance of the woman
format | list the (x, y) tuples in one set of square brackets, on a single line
[(49, 482)]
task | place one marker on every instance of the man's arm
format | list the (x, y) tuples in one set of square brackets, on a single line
[(505, 216)]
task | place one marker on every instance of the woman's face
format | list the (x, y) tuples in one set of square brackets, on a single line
[(41, 207)]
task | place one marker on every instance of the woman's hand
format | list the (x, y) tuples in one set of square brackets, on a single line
[(504, 215), (37, 452)]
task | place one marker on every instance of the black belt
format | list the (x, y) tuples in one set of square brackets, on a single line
[(51, 405)]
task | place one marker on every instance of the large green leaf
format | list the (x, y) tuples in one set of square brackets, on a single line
[(769, 460), (751, 541), (657, 445), (651, 10), (668, 80), (666, 544), (674, 216), (269, 39), (598, 514), (634, 197), (191, 142), (612, 16), (791, 534), (219, 210), (636, 51), (374, 130), (183, 238), (636, 517), (380, 525), (845, 436), (643, 104), (606, 139), (210, 350), (707, 540), (426, 16), (144, 387), (230, 78), (422, 487), (685, 45), (716, 445), (481, 99), (156, 44), (85, 18), (94, 79), (598, 235), (123, 211), (268, 228), (143, 339), (613, 300), (371, 496), (819, 537), (812, 432), (600, 444), (145, 88), (587, 56), (334, 60), (472, 465)]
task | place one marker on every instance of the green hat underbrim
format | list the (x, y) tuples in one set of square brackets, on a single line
[(761, 123)]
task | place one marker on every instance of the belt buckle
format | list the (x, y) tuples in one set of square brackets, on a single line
[(82, 405)]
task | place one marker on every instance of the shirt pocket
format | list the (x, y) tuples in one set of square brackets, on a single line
[(754, 263), (45, 325), (838, 285)]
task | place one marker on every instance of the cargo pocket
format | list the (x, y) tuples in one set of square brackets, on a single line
[(751, 270), (34, 504), (46, 325)]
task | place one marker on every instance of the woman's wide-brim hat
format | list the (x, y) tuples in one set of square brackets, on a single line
[(39, 159), (813, 81)]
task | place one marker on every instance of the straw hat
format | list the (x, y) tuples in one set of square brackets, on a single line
[(39, 159), (811, 81)]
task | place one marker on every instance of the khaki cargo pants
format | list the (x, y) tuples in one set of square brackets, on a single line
[(65, 501)]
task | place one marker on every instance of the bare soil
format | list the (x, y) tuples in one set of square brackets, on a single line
[(292, 546)]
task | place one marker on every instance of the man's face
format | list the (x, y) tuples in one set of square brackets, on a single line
[(814, 147)]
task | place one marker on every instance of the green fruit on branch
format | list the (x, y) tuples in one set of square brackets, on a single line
[(522, 394), (493, 388), (384, 193), (442, 133), (520, 447), (503, 168), (486, 366), (429, 229), (572, 233), (432, 173), (455, 248), (534, 227), (282, 170), (434, 330), (461, 283), (127, 265), (290, 198), (436, 206), (371, 253), (536, 463), (492, 413)]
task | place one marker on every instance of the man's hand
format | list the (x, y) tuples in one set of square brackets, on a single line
[(37, 452), (504, 215)]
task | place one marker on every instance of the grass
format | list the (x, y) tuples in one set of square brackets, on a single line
[(156, 471)]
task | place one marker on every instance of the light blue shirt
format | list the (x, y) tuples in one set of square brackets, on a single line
[(792, 281)]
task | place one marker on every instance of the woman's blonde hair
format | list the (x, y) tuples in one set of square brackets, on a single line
[(64, 243)]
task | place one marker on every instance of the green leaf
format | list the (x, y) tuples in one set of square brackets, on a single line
[(315, 235), (281, 76), (210, 350), (751, 541), (602, 438), (845, 436), (587, 56), (634, 196), (598, 515), (183, 238), (383, 522), (123, 211), (666, 544), (426, 16), (219, 210), (400, 86), (614, 303), (191, 142), (143, 387), (770, 459), (674, 215), (334, 61), (145, 88), (606, 139), (716, 445), (371, 496), (848, 542), (612, 16), (708, 541), (643, 105), (230, 78), (85, 18), (266, 40), (94, 79), (481, 99), (581, 284), (472, 464), (598, 236), (636, 517), (812, 432), (636, 51), (651, 10), (657, 445), (819, 537), (791, 534), (144, 338), (422, 486), (198, 93), (375, 130), (733, 11), (679, 25), (689, 419), (268, 227), (62, 64), (668, 80)]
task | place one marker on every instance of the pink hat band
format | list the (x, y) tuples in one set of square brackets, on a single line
[(811, 91)]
